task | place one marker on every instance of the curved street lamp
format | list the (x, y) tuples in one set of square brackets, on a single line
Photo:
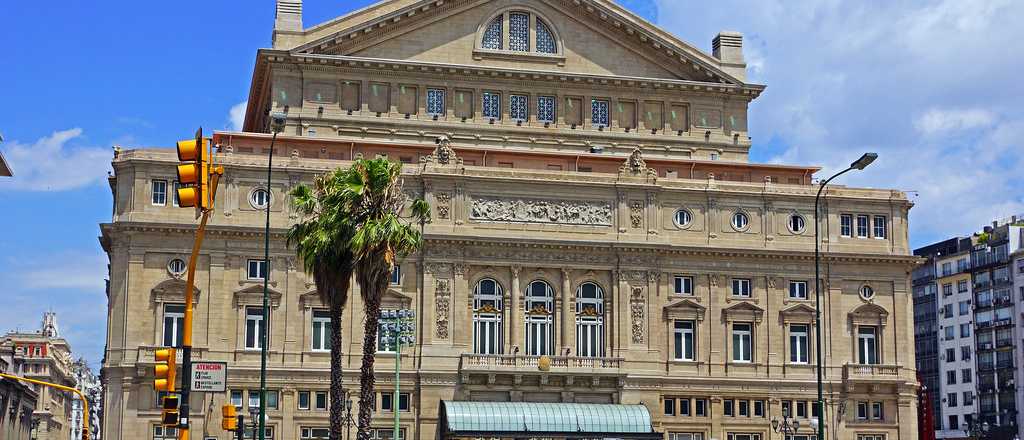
[(860, 164)]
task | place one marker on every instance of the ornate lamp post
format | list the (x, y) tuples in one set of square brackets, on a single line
[(397, 327), (787, 426), (349, 423), (860, 164)]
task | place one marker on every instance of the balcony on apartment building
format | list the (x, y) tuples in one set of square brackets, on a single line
[(568, 364)]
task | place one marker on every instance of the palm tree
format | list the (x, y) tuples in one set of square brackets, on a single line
[(321, 241), (381, 238)]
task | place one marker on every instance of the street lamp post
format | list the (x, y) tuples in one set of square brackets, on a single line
[(277, 121), (860, 164), (787, 426), (976, 429), (398, 327), (348, 418)]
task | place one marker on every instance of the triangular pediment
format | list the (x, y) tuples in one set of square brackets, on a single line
[(685, 308), (594, 37), (173, 290), (798, 313), (394, 299), (253, 295), (743, 311)]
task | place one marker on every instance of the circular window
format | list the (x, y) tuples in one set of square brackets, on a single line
[(867, 292), (740, 221), (796, 224), (176, 266), (683, 218), (259, 198)]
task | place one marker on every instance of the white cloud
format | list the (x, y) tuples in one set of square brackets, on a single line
[(236, 116), (927, 85), (50, 164), (936, 121)]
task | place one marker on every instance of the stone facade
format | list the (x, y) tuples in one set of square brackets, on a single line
[(562, 208), (44, 355)]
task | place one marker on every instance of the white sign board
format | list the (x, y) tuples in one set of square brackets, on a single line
[(211, 377)]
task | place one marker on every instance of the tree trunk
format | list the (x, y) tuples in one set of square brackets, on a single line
[(366, 374), (373, 282), (337, 394)]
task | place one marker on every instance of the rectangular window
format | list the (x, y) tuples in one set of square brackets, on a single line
[(743, 408), (320, 399), (947, 269), (492, 105), (684, 407), (257, 269), (683, 285), (965, 375), (968, 398), (798, 345), (436, 102), (801, 409), (670, 407), (255, 328), (160, 192), (965, 307), (758, 408), (965, 353), (254, 399), (321, 330), (546, 108), (951, 377), (741, 342), (798, 289), (174, 193), (787, 408), (742, 436), (881, 227), (396, 275), (599, 112), (870, 436), (947, 289), (965, 330), (877, 411), (950, 333), (236, 398), (174, 324), (951, 401), (685, 436), (727, 407), (314, 433), (700, 407), (846, 225), (387, 402), (303, 399), (741, 287), (867, 345), (683, 340), (518, 107), (950, 353), (862, 410), (862, 226)]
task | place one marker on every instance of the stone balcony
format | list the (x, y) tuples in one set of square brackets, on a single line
[(523, 363)]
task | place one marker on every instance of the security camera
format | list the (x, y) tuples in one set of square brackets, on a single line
[(277, 121)]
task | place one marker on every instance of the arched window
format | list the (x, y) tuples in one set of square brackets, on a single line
[(539, 322), (545, 39), (487, 309), (516, 27), (590, 320), (492, 36)]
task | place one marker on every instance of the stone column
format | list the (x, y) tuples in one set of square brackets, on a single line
[(515, 313), (568, 329), (461, 297)]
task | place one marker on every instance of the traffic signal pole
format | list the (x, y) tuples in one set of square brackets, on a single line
[(186, 348), (85, 402)]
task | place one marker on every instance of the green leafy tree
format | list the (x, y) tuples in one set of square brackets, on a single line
[(382, 237), (322, 241)]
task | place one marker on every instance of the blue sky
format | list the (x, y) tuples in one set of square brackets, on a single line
[(932, 86)]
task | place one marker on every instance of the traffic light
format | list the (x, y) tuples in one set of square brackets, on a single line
[(194, 173), (169, 411), (229, 418), (166, 369)]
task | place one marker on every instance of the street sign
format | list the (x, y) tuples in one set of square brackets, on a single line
[(211, 377)]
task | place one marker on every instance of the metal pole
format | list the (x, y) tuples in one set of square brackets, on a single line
[(817, 306), (266, 303), (81, 395), (398, 364)]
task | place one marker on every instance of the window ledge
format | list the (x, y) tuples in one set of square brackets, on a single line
[(480, 54)]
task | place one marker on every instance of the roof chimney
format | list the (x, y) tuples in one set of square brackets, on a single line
[(728, 48), (287, 20)]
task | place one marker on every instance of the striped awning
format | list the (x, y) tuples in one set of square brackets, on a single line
[(569, 420)]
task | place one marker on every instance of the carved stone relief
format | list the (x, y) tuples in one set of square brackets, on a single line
[(636, 306), (636, 213), (443, 205), (590, 213), (442, 292)]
